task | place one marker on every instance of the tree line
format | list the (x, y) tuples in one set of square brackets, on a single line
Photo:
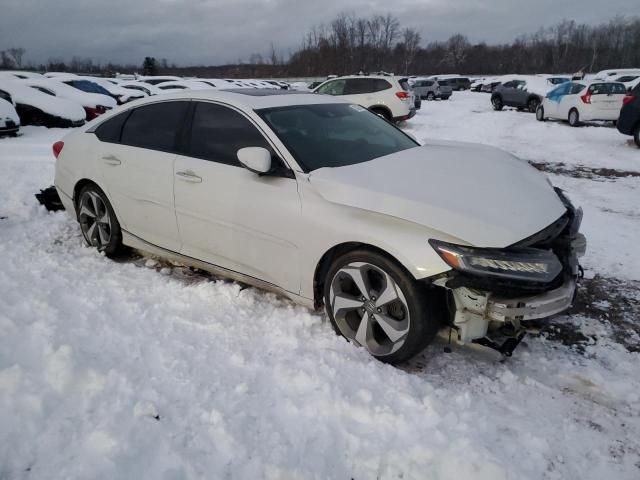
[(351, 44)]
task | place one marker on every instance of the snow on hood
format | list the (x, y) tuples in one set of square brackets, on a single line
[(7, 111), (62, 90), (478, 194), (58, 107)]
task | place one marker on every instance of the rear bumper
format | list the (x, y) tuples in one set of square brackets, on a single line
[(411, 114)]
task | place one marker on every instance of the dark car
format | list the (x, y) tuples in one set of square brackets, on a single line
[(515, 94), (459, 83), (629, 121)]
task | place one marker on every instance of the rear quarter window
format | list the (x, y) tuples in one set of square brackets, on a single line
[(599, 89), (111, 130)]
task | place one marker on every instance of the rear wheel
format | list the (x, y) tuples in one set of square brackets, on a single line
[(532, 104), (376, 304), (382, 113), (496, 101), (636, 135), (431, 96), (574, 118), (98, 222), (540, 113)]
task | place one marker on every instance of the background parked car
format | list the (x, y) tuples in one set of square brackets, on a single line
[(456, 82), (94, 104), (629, 80), (143, 87), (102, 86), (382, 94), (521, 93), (9, 119), (155, 79), (583, 101), (37, 108), (615, 72), (490, 84), (176, 85), (629, 120), (429, 89)]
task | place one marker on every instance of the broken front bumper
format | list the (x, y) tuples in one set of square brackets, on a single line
[(476, 310)]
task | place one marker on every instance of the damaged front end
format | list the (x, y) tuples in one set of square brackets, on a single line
[(494, 292)]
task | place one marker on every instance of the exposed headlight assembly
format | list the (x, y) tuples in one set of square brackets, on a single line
[(527, 264)]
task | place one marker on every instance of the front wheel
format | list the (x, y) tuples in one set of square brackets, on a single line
[(376, 304), (431, 96), (98, 223), (540, 113), (636, 135), (497, 104)]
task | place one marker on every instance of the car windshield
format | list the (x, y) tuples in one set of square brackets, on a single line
[(334, 135), (87, 86)]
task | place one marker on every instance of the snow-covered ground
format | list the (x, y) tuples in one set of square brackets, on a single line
[(140, 369)]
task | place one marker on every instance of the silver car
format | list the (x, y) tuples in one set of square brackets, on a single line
[(432, 89)]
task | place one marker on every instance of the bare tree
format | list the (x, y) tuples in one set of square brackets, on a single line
[(17, 53)]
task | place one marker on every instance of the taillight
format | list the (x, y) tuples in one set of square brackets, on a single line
[(101, 109), (91, 113), (628, 99), (402, 95), (57, 148), (586, 98)]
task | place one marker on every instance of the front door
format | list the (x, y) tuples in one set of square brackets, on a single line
[(228, 215)]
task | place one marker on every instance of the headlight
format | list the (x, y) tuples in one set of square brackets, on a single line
[(518, 264)]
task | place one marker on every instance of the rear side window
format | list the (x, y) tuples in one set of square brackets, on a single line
[(355, 86), (599, 89), (154, 126), (576, 88), (380, 84), (618, 88), (111, 130), (219, 132)]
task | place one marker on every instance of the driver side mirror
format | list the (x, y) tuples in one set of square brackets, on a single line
[(255, 159)]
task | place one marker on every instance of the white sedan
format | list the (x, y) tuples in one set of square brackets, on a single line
[(582, 101), (326, 203)]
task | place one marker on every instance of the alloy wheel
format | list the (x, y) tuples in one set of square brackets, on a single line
[(369, 308), (95, 220)]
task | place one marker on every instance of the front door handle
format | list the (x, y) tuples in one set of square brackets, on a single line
[(111, 160), (189, 176)]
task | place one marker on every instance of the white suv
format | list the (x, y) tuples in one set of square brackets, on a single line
[(382, 94)]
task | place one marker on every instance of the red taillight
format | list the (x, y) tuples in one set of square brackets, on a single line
[(586, 98), (402, 95), (57, 148), (91, 113), (628, 99)]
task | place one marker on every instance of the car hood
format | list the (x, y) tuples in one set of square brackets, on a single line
[(478, 194)]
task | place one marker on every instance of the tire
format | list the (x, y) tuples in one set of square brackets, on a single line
[(105, 233), (636, 135), (496, 101), (532, 104), (382, 113), (540, 113), (401, 316), (574, 118), (431, 96)]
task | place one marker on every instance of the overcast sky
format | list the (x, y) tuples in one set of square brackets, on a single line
[(190, 32)]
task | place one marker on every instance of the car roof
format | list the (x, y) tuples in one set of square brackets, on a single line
[(248, 98)]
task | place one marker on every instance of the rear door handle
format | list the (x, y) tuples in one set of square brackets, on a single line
[(111, 160), (189, 176)]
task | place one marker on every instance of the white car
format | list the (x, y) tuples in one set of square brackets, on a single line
[(37, 108), (324, 202), (9, 120), (629, 80), (100, 85), (156, 79), (582, 101), (94, 104), (615, 72), (174, 85), (382, 94), (143, 87)]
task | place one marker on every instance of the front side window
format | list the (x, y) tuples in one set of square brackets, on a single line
[(155, 126), (334, 135), (218, 133), (335, 87), (576, 88)]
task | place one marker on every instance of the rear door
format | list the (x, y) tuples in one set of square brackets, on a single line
[(137, 154), (227, 215)]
